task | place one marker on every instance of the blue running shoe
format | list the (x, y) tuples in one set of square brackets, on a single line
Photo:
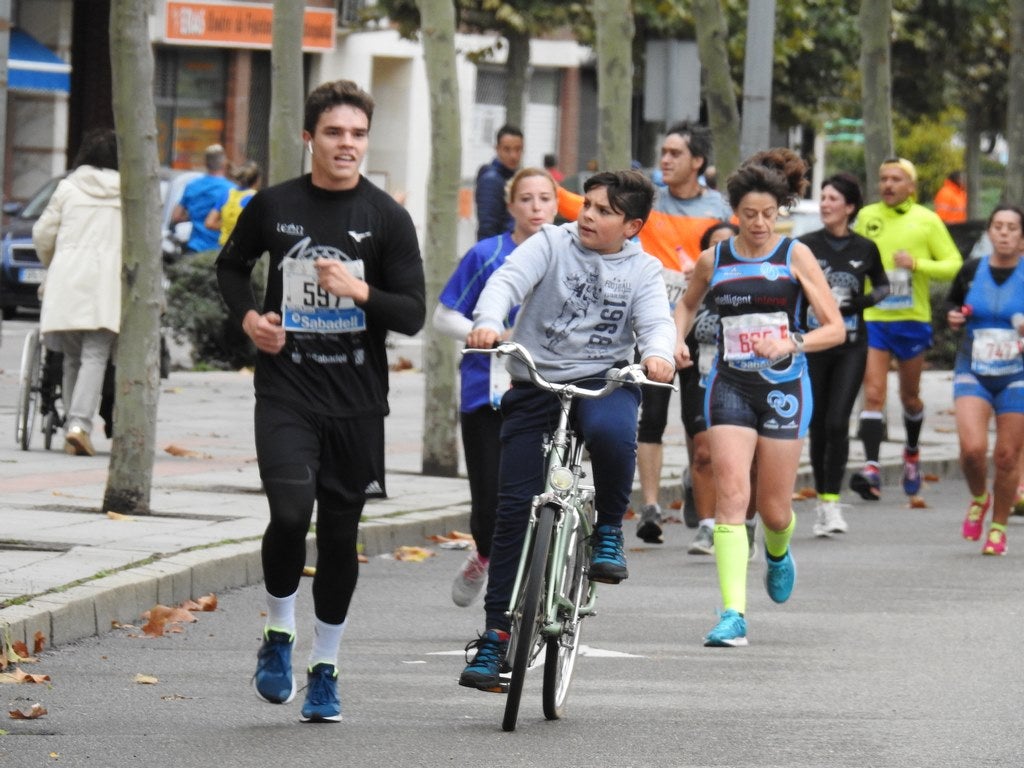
[(322, 704), (608, 563), (484, 671), (274, 681), (729, 632), (780, 576), (911, 472)]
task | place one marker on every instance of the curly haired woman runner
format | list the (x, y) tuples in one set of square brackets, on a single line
[(758, 401)]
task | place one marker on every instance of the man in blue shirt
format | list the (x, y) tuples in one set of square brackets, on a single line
[(200, 197)]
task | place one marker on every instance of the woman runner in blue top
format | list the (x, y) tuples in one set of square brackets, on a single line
[(987, 301), (758, 399), (532, 201)]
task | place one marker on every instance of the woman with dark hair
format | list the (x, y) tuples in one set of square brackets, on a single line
[(78, 238), (847, 259), (987, 301), (758, 401)]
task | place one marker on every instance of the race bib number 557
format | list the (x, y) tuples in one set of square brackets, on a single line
[(307, 307)]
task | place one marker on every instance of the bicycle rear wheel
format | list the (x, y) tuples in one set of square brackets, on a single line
[(28, 389), (560, 656), (525, 641)]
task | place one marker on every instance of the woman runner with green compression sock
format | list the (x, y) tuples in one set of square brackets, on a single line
[(758, 400)]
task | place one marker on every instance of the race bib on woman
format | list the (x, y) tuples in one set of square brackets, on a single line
[(740, 333), (996, 352)]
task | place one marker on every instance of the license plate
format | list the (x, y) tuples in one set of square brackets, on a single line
[(33, 276)]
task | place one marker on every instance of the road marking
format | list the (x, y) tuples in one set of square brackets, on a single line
[(585, 650)]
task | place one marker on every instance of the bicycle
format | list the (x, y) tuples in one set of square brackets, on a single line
[(39, 391), (552, 593)]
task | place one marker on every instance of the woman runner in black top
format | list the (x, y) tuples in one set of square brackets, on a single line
[(846, 258)]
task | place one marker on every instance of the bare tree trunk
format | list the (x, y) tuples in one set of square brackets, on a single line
[(286, 91), (129, 481), (1014, 191), (720, 94), (875, 23), (972, 163), (517, 82), (614, 22), (440, 448)]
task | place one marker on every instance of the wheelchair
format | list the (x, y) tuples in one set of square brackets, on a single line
[(39, 392)]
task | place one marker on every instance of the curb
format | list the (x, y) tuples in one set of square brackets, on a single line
[(95, 607)]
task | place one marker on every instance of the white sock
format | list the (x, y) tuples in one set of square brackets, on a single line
[(281, 613), (326, 641), (707, 523)]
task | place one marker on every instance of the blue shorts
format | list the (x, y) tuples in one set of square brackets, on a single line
[(779, 410), (906, 339), (1004, 393)]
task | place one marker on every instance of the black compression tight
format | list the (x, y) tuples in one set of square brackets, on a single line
[(835, 381)]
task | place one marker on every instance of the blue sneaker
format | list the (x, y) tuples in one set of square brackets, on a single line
[(274, 681), (484, 671), (780, 576), (729, 632), (322, 704), (608, 563)]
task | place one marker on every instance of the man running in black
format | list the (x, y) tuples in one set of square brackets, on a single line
[(345, 269)]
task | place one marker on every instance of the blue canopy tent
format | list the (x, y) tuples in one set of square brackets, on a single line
[(33, 67)]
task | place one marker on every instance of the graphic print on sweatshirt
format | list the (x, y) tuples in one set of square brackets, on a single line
[(583, 291)]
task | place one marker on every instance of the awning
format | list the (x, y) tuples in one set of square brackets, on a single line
[(33, 67)]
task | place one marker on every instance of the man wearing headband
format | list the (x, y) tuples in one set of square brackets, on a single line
[(916, 248)]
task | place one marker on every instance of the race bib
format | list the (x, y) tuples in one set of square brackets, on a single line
[(675, 284), (996, 352), (307, 307), (900, 291), (740, 333), (500, 380)]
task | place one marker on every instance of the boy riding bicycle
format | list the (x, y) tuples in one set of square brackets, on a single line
[(588, 295)]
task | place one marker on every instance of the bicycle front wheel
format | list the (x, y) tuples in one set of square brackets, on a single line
[(525, 641), (28, 389), (560, 656)]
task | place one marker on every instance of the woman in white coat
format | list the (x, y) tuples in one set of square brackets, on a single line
[(78, 238)]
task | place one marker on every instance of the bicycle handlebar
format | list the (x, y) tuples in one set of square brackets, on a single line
[(615, 378)]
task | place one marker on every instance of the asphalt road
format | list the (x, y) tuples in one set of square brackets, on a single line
[(900, 647)]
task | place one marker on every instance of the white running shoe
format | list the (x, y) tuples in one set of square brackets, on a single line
[(469, 580), (828, 519)]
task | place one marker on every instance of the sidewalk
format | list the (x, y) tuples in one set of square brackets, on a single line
[(68, 570)]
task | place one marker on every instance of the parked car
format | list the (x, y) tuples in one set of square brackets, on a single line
[(20, 270), (22, 273)]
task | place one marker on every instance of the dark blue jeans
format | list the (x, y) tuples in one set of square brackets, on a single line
[(608, 427)]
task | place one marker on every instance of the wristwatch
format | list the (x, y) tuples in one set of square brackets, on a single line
[(798, 341)]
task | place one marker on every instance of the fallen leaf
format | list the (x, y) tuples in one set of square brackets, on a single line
[(309, 570), (207, 603), (35, 711), (38, 641), (916, 502), (929, 478), (188, 453), (402, 364), (157, 618), (676, 504), (413, 554), (806, 493), (145, 679), (180, 615), (670, 519), (18, 677), (118, 516), (362, 558), (450, 536), (22, 650), (630, 514)]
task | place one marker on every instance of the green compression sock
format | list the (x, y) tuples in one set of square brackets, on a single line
[(777, 542), (731, 559)]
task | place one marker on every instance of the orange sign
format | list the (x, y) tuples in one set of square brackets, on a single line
[(242, 25)]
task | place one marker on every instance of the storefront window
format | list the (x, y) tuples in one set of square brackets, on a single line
[(190, 95)]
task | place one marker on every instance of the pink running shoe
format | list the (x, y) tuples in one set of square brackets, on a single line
[(995, 544), (975, 519)]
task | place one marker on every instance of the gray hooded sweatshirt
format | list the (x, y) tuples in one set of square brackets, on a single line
[(581, 311)]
